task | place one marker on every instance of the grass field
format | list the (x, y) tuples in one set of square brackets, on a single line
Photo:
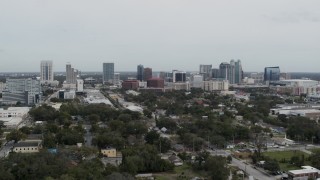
[(280, 155)]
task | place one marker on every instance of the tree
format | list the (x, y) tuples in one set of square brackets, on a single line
[(164, 144), (271, 165), (147, 113), (151, 137), (94, 118), (15, 135), (315, 159)]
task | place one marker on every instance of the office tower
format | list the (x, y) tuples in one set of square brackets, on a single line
[(232, 73), (108, 73), (206, 71), (272, 73), (147, 73), (140, 73), (80, 83), (116, 79), (224, 70), (25, 91), (238, 72), (196, 81), (167, 76), (71, 74), (179, 76), (46, 73), (215, 73)]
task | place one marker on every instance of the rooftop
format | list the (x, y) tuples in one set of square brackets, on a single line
[(26, 144)]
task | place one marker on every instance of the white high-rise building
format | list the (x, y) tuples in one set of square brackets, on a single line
[(46, 72), (116, 79), (196, 81), (79, 85)]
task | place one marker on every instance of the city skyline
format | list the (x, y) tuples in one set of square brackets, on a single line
[(164, 35)]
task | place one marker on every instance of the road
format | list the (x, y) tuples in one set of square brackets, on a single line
[(5, 149), (251, 171), (88, 136), (242, 165)]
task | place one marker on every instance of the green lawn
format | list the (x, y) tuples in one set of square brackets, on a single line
[(281, 155), (314, 150)]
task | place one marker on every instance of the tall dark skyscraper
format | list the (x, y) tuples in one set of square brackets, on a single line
[(147, 73), (140, 73), (108, 72), (231, 71), (272, 73), (179, 76), (225, 71)]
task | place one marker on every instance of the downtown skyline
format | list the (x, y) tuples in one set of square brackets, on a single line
[(175, 35)]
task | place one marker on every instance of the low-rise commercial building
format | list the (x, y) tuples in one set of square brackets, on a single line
[(304, 110), (306, 173), (179, 86), (155, 83), (2, 86), (27, 147), (26, 91), (295, 86), (130, 84), (109, 152), (14, 112)]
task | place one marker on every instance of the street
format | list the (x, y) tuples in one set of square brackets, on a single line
[(6, 148), (87, 136), (251, 171)]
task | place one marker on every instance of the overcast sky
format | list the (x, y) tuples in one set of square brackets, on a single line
[(162, 34)]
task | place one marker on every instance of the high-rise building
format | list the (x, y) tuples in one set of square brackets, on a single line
[(238, 73), (108, 72), (215, 73), (272, 73), (116, 79), (25, 91), (46, 72), (196, 81), (179, 76), (231, 71), (71, 74), (206, 71), (224, 70), (140, 72), (147, 73)]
